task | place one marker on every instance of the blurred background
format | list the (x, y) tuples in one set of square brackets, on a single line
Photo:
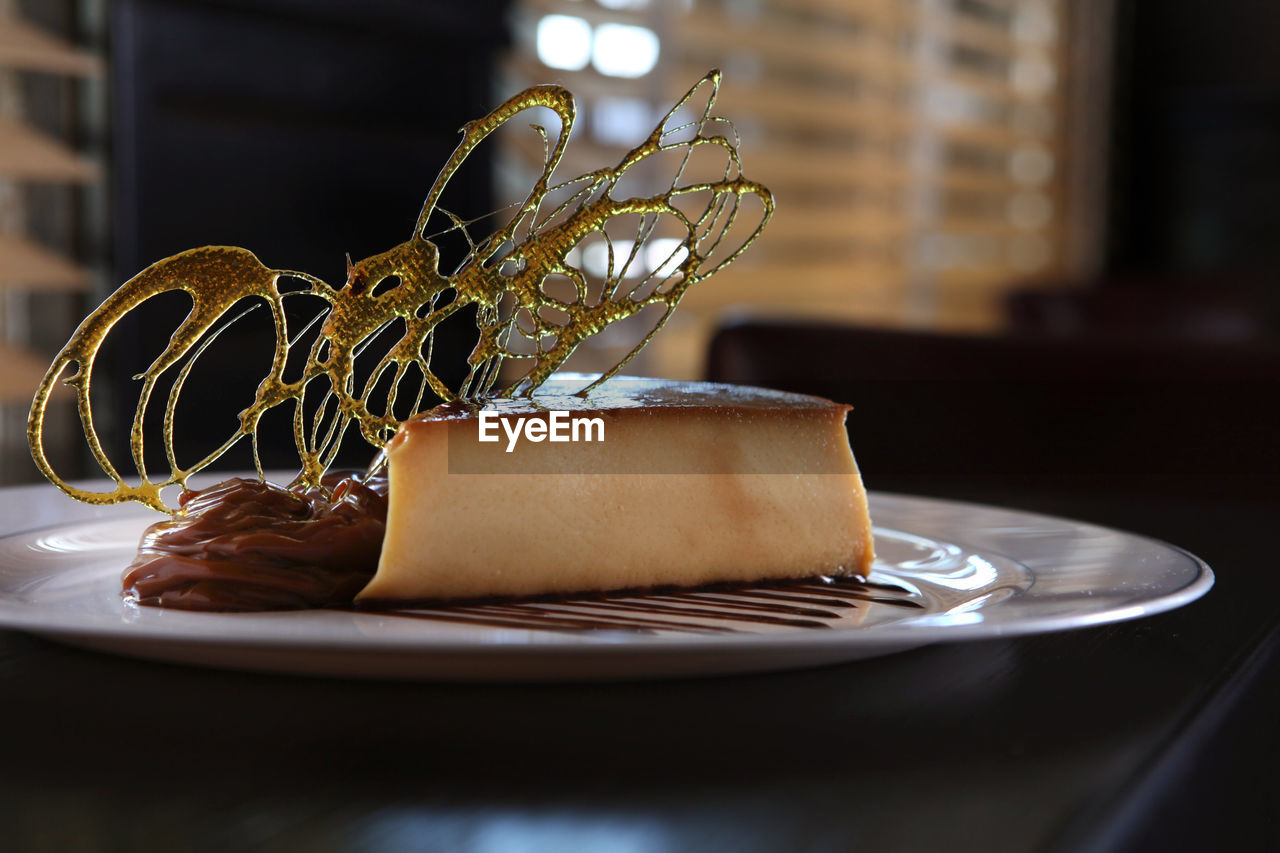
[(1052, 223)]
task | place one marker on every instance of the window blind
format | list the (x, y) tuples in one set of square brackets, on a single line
[(43, 181), (917, 149)]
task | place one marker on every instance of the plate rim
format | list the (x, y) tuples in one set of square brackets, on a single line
[(895, 635)]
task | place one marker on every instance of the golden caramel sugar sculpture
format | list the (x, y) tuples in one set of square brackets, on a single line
[(504, 276)]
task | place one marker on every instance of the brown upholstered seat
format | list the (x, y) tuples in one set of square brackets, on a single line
[(956, 414)]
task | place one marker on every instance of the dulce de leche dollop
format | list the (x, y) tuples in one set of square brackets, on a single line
[(251, 545)]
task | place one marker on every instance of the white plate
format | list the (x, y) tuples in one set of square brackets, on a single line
[(976, 572)]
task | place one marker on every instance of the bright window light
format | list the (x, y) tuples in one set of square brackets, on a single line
[(664, 255), (595, 259), (621, 121), (622, 50), (564, 41)]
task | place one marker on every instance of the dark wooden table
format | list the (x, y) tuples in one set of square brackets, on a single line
[(1156, 734)]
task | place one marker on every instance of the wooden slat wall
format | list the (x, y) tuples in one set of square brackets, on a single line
[(29, 156), (29, 266), (26, 47), (26, 154), (916, 148)]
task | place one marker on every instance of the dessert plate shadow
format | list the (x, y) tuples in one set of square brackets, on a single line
[(945, 572)]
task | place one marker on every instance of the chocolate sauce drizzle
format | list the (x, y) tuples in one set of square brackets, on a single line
[(721, 609)]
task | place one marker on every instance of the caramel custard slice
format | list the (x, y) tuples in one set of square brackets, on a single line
[(691, 484)]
